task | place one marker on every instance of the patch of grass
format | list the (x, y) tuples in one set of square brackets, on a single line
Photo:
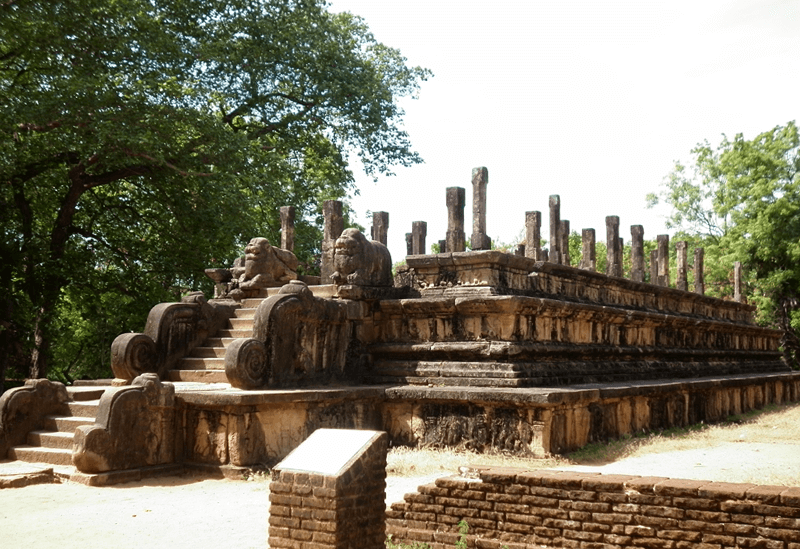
[(403, 461)]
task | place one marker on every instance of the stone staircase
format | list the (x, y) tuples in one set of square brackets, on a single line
[(206, 364), (53, 444)]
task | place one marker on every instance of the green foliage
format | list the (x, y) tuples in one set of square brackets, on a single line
[(144, 140), (741, 201)]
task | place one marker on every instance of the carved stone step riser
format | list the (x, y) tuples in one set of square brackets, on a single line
[(241, 323), (66, 424), (199, 376), (84, 409), (202, 364), (51, 439), (41, 455)]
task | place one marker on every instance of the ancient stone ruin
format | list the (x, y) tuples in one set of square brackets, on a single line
[(533, 352)]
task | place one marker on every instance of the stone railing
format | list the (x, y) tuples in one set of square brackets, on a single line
[(298, 339), (171, 332), (522, 509), (23, 409)]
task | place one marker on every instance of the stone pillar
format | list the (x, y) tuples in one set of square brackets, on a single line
[(699, 275), (613, 250), (520, 251), (287, 228), (419, 230), (442, 246), (563, 233), (555, 224), (380, 227), (533, 235), (480, 240), (737, 282), (332, 229), (637, 253), (654, 266), (588, 253), (663, 260), (455, 219), (409, 244), (682, 282)]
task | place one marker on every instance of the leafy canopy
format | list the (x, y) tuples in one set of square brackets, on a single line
[(142, 140)]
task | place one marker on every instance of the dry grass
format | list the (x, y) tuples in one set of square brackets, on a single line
[(776, 424)]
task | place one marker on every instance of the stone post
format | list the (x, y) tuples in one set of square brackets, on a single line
[(442, 246), (533, 235), (682, 282), (637, 253), (663, 260), (419, 230), (563, 232), (555, 224), (737, 282), (654, 266), (480, 240), (520, 251), (588, 253), (455, 219), (287, 228), (332, 229), (380, 227), (409, 244), (699, 275), (613, 250)]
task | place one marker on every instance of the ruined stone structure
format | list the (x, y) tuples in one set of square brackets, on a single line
[(521, 509), (480, 349)]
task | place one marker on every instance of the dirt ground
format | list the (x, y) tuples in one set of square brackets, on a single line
[(193, 513)]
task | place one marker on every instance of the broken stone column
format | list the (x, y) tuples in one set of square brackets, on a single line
[(637, 253), (287, 228), (480, 240), (699, 280), (588, 253), (419, 230), (442, 246), (533, 235), (380, 227), (409, 244), (682, 282), (654, 266), (520, 251), (737, 282), (613, 250), (332, 229), (555, 225), (563, 232), (455, 236), (663, 260)]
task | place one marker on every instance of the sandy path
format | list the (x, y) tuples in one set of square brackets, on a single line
[(192, 513)]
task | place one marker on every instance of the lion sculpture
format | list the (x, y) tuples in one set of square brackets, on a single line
[(361, 262), (265, 266)]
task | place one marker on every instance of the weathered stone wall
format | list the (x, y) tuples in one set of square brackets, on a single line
[(315, 503), (542, 421), (523, 509)]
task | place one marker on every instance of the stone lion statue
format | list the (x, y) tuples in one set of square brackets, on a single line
[(361, 262), (265, 266)]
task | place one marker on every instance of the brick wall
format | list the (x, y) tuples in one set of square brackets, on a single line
[(525, 509), (341, 510)]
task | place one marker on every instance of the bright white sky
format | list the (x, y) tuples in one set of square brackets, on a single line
[(590, 100)]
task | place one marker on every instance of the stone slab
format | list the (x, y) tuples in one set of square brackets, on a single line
[(326, 451)]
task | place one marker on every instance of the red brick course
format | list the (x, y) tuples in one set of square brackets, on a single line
[(529, 509)]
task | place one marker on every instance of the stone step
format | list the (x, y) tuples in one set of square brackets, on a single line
[(208, 352), (196, 363), (87, 408), (249, 312), (234, 333), (241, 323), (54, 456), (66, 424), (434, 381), (84, 393), (51, 439), (199, 376), (218, 341), (448, 369), (251, 303)]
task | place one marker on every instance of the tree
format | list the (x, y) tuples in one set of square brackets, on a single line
[(141, 140), (742, 200)]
